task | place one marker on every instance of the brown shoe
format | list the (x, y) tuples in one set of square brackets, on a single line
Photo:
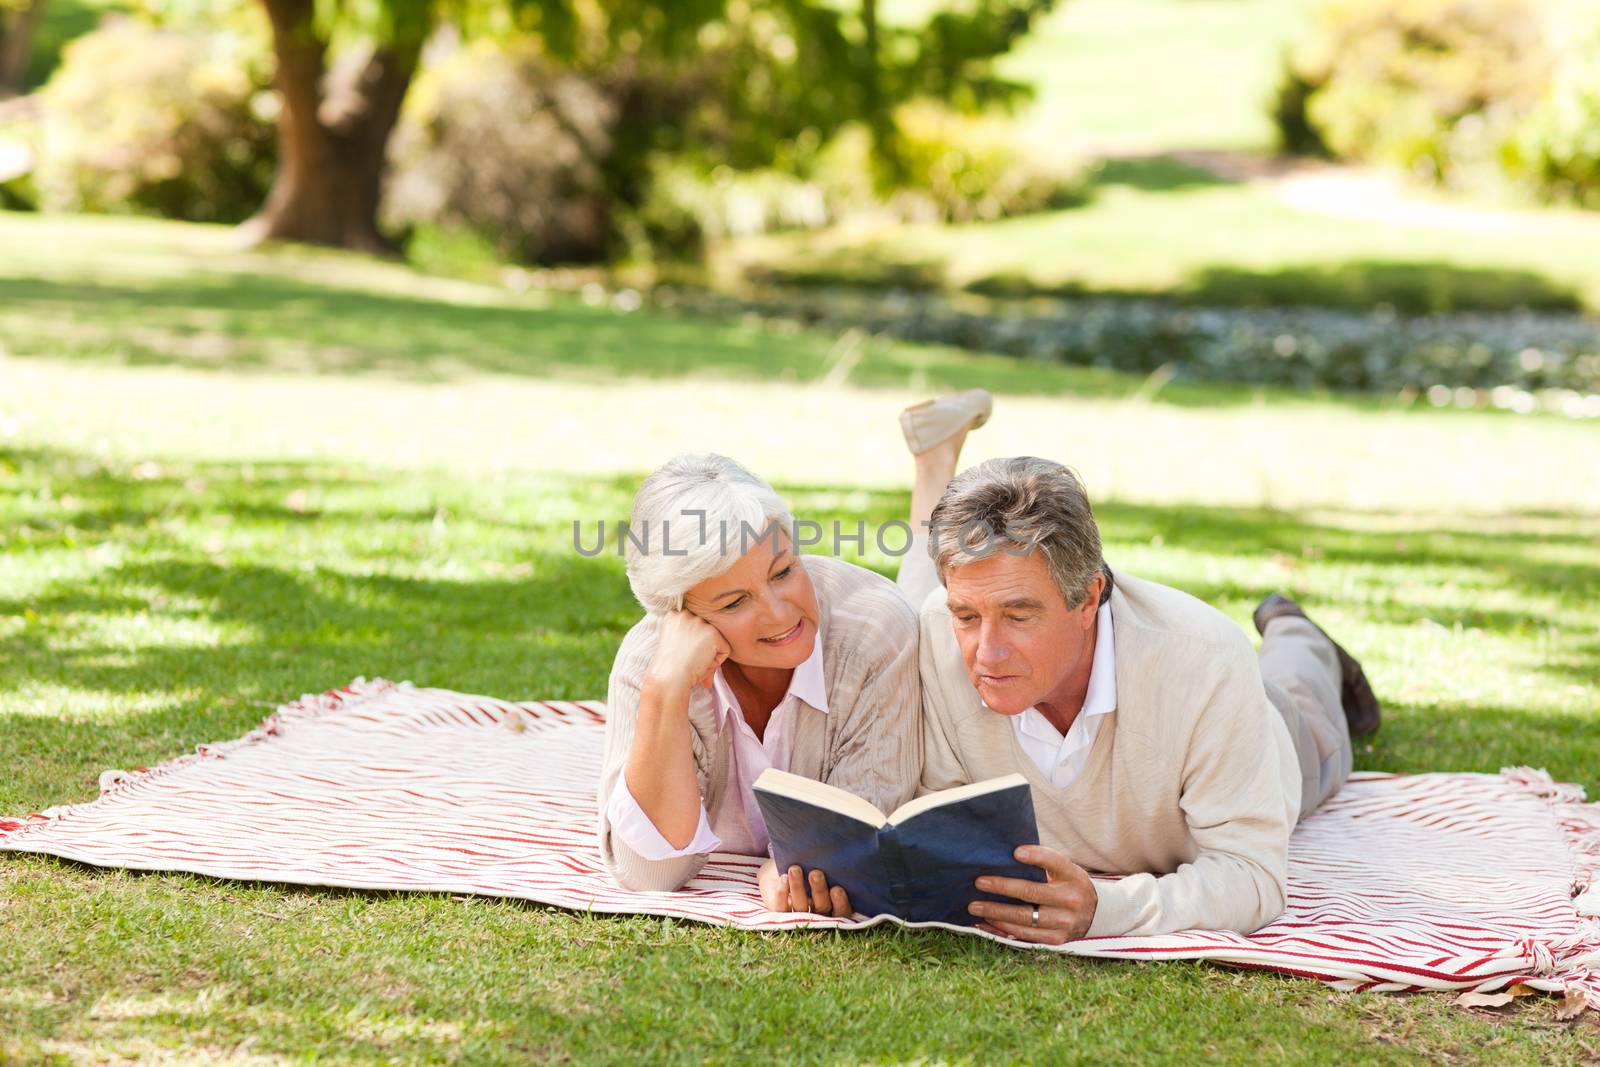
[(1360, 703)]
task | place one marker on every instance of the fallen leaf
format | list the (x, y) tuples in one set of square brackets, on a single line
[(1574, 1004), (1522, 990), (1483, 1000)]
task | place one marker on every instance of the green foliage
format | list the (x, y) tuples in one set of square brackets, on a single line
[(1556, 152), (1485, 94), (953, 168), (63, 22), (157, 121), (1435, 86), (157, 593), (502, 143), (731, 107), (1297, 135), (972, 168)]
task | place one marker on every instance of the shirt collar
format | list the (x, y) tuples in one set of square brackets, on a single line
[(807, 683), (1101, 696)]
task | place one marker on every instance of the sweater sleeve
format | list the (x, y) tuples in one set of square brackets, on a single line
[(941, 759), (877, 741), (1234, 800), (628, 867)]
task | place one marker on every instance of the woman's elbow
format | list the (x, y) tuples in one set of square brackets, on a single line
[(639, 875)]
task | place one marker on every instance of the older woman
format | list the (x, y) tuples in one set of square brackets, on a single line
[(749, 656)]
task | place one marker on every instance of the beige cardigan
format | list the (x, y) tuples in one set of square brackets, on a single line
[(1192, 785), (869, 742)]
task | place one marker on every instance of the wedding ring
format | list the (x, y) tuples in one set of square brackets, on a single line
[(1036, 915)]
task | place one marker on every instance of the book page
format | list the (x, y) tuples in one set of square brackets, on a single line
[(821, 794), (950, 796)]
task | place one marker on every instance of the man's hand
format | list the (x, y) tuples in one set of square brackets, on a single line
[(793, 891), (1066, 902)]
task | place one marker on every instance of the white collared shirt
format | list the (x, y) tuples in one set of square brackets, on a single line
[(739, 827), (1061, 759)]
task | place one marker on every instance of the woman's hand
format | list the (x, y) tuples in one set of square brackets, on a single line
[(1065, 904), (793, 891), (688, 652)]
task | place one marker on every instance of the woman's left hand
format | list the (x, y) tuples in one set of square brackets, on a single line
[(1065, 904), (795, 891)]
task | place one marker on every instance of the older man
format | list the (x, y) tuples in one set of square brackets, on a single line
[(1161, 748)]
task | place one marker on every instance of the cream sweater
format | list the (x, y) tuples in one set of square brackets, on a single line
[(869, 742), (1192, 785)]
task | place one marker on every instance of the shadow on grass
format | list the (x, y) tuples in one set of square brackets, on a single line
[(1416, 287), (241, 321), (180, 643), (263, 322), (1157, 173)]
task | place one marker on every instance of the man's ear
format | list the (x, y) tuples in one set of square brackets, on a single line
[(1091, 601)]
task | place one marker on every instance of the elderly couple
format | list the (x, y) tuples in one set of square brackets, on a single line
[(1159, 747)]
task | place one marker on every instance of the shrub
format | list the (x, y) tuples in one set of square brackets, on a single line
[(501, 143), (966, 168), (1437, 86), (1556, 152), (957, 168), (157, 121)]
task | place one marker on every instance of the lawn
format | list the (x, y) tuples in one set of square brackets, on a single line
[(1150, 74), (226, 479), (1156, 226), (1130, 82)]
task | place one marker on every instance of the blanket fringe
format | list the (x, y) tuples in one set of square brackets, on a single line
[(1574, 961)]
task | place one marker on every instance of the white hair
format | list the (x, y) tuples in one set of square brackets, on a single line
[(693, 517)]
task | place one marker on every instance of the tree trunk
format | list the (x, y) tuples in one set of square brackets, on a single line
[(16, 45), (333, 132)]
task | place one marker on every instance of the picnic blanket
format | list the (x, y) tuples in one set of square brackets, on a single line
[(1427, 881)]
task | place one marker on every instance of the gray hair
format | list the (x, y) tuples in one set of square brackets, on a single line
[(1018, 505), (693, 517)]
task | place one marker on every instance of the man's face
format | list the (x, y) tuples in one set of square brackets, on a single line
[(1021, 643)]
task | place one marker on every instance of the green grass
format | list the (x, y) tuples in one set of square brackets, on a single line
[(1157, 227), (188, 539), (1150, 73), (1137, 80), (1159, 73)]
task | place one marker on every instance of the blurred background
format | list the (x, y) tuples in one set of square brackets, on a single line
[(322, 322), (1068, 182)]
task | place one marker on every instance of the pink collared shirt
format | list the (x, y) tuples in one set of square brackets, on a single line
[(740, 827), (1059, 758)]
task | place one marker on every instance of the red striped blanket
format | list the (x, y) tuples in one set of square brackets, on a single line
[(1429, 881)]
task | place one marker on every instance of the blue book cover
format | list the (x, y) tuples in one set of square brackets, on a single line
[(920, 861)]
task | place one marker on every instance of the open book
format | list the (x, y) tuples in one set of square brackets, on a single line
[(920, 861)]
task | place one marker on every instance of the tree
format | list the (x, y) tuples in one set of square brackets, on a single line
[(334, 124), (790, 64), (19, 20)]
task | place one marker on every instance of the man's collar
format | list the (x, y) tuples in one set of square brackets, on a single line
[(1101, 695)]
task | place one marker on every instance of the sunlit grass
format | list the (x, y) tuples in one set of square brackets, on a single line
[(184, 546)]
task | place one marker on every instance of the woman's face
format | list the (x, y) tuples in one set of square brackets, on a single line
[(764, 606)]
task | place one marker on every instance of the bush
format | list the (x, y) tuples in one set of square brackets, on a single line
[(501, 143), (958, 168), (965, 168), (1436, 86), (1556, 152), (157, 121)]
